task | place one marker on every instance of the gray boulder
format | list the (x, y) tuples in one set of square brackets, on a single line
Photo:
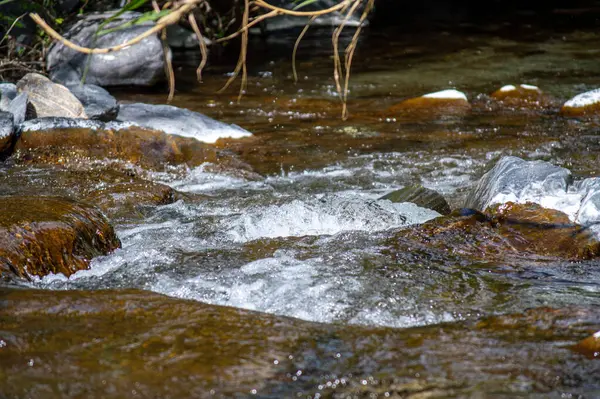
[(285, 22), (179, 121), (7, 131), (141, 64), (514, 179), (8, 92), (98, 103), (50, 99), (179, 37), (18, 107), (421, 196)]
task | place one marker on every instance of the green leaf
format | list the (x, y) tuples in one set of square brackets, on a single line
[(148, 16), (304, 3), (133, 5)]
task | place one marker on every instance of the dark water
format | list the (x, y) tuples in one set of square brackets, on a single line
[(333, 306)]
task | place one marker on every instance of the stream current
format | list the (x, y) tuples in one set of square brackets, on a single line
[(309, 239)]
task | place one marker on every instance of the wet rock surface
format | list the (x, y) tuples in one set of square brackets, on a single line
[(121, 193), (49, 99), (420, 196), (42, 235), (141, 64), (503, 232), (203, 349), (522, 96), (179, 122), (583, 105), (446, 103), (146, 148), (512, 179)]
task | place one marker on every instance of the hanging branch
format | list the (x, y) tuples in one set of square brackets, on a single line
[(177, 10)]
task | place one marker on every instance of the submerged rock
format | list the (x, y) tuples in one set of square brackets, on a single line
[(42, 235), (141, 64), (433, 105), (98, 103), (179, 121), (421, 196), (503, 232), (127, 200), (121, 193), (522, 96), (585, 104), (517, 180), (50, 99)]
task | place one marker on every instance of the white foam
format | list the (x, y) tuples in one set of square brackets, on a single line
[(584, 99), (200, 180), (568, 203), (281, 285), (323, 216), (451, 94)]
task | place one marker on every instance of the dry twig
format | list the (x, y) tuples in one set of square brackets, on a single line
[(180, 9)]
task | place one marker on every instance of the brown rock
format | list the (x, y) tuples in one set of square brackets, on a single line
[(147, 148), (42, 235), (589, 346), (583, 105), (505, 231), (50, 99), (522, 96), (434, 105), (171, 347), (121, 193)]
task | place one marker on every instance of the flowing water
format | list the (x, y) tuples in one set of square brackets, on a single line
[(308, 239)]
